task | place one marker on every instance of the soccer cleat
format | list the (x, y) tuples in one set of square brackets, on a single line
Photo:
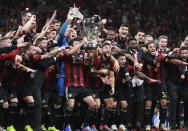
[(87, 128), (94, 128), (28, 128), (105, 128), (122, 128), (67, 128), (114, 128), (43, 128), (52, 128), (11, 128), (163, 127), (147, 128)]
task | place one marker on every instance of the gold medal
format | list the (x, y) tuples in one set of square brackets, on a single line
[(32, 75), (182, 76)]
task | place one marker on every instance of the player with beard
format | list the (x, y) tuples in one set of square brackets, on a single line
[(104, 83), (32, 83), (76, 82), (182, 83), (7, 73), (64, 36)]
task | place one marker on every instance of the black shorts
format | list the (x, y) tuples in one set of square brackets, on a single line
[(123, 93), (24, 91), (155, 91), (50, 96), (101, 92), (79, 92), (3, 95), (11, 91)]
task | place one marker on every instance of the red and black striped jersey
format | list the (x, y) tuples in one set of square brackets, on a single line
[(76, 74), (100, 63)]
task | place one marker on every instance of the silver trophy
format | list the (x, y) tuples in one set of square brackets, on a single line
[(90, 27)]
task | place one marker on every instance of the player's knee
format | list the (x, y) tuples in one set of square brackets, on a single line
[(110, 105), (71, 105), (124, 105), (5, 105), (148, 103), (14, 100), (115, 104)]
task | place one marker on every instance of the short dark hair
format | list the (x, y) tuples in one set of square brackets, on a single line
[(149, 44), (184, 48), (105, 42), (23, 13), (120, 54), (39, 40), (56, 21), (73, 40), (140, 30), (27, 47), (130, 39), (124, 25)]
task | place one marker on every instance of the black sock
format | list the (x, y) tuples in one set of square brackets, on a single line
[(163, 114), (88, 116), (106, 115), (95, 117), (44, 114), (28, 113), (68, 115), (148, 115), (1, 114), (11, 113), (114, 117), (123, 116), (56, 115)]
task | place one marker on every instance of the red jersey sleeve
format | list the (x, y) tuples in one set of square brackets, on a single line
[(10, 56), (37, 58)]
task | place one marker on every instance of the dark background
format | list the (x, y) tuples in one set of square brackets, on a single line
[(156, 17)]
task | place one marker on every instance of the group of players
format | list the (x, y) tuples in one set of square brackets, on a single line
[(111, 83)]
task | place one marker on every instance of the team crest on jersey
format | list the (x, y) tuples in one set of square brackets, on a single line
[(32, 75), (148, 66), (123, 81)]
